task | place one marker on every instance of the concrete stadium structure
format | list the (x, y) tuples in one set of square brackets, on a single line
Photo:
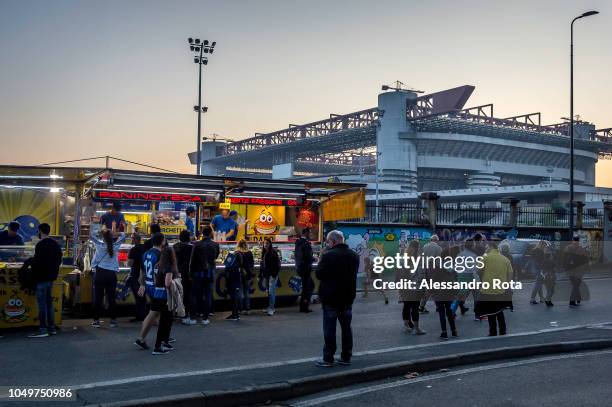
[(426, 143)]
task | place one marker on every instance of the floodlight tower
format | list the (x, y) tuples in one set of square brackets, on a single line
[(199, 48)]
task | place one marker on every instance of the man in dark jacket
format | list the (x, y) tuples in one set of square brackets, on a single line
[(303, 267), (183, 250), (45, 266), (337, 274), (202, 272), (135, 262), (576, 260)]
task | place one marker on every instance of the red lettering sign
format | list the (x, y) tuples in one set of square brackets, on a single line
[(264, 201), (148, 196)]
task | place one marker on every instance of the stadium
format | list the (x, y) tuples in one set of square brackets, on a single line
[(412, 143)]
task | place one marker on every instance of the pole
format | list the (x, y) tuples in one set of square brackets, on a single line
[(376, 215), (571, 133), (199, 141)]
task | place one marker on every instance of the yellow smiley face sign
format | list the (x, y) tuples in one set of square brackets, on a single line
[(265, 220)]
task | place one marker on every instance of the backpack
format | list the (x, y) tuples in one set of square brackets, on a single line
[(231, 263)]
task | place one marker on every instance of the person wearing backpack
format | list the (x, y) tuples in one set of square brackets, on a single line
[(248, 265), (269, 270), (233, 265)]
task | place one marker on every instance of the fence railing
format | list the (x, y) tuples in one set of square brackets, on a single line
[(449, 216)]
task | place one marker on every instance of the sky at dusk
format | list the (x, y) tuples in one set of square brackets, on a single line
[(92, 78)]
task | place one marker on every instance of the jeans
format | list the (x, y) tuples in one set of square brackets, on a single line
[(497, 319), (45, 305), (538, 287), (105, 284), (575, 294), (272, 281), (445, 312), (330, 316), (202, 296), (187, 297), (245, 295)]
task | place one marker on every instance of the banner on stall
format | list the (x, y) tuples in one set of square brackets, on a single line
[(29, 208), (344, 205)]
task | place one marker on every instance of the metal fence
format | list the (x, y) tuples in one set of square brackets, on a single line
[(456, 215)]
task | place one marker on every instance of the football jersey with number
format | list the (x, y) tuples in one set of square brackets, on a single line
[(150, 261)]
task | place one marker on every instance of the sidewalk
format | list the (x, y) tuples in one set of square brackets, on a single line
[(279, 375)]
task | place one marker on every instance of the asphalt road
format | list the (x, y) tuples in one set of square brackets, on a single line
[(88, 358), (581, 379)]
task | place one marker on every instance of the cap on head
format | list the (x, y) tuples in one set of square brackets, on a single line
[(190, 210), (233, 213), (435, 238), (117, 206)]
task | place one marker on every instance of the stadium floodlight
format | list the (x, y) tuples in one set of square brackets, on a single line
[(199, 48)]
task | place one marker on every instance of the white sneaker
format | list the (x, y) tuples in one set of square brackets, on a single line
[(205, 322), (270, 312), (188, 321)]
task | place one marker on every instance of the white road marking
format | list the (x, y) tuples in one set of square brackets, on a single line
[(404, 382), (139, 379)]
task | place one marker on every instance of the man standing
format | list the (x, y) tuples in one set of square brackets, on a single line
[(223, 223), (576, 260), (202, 272), (45, 266), (303, 267), (189, 223), (135, 262), (10, 237), (337, 274), (430, 250), (115, 216)]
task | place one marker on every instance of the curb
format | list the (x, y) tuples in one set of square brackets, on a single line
[(313, 384)]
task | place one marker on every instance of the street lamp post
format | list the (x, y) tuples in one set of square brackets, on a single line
[(571, 125), (199, 48)]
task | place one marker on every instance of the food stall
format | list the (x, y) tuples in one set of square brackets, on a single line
[(72, 200), (32, 196)]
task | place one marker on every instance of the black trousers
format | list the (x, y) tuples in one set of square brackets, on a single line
[(575, 294), (307, 289), (445, 312), (496, 320), (140, 302), (105, 284), (410, 311), (164, 327)]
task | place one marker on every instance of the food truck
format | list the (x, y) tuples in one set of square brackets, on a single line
[(275, 209)]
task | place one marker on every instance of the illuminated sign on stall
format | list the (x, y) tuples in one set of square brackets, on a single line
[(266, 201), (148, 196)]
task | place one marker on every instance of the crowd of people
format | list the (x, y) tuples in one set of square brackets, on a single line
[(177, 281), (489, 302)]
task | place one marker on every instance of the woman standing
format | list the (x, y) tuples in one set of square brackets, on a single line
[(106, 265), (493, 301), (166, 271), (270, 267), (444, 298), (411, 297), (248, 264)]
